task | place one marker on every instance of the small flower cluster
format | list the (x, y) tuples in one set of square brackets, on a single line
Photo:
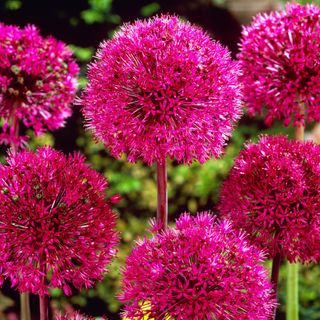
[(37, 79), (199, 270), (162, 87), (54, 222), (273, 193), (280, 63)]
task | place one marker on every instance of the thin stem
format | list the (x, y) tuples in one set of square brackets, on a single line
[(299, 133), (25, 311), (292, 309), (299, 129), (15, 127), (43, 298), (276, 262), (162, 213), (25, 306)]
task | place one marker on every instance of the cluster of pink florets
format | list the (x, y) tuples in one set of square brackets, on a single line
[(37, 79), (199, 270), (53, 220), (279, 59), (162, 87), (273, 193)]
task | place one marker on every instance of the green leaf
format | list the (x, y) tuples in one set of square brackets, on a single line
[(149, 9), (82, 54), (13, 4)]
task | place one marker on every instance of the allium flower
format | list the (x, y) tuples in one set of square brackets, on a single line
[(281, 64), (273, 193), (53, 220), (162, 87), (199, 270), (37, 79)]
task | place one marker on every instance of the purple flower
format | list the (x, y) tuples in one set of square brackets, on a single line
[(54, 221), (199, 270), (281, 65), (273, 193), (162, 87), (37, 80)]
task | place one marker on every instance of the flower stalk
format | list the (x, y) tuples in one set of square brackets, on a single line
[(292, 307), (292, 310), (276, 262), (43, 307), (25, 311), (43, 298), (162, 212), (25, 306), (15, 129)]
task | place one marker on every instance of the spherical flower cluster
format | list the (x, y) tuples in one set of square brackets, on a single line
[(199, 270), (37, 79), (281, 64), (162, 87), (54, 222), (273, 193)]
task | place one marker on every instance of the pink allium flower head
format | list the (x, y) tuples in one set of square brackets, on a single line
[(37, 79), (280, 62), (273, 193), (162, 87), (199, 270), (53, 217)]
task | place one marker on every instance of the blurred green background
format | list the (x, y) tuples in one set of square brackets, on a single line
[(83, 24)]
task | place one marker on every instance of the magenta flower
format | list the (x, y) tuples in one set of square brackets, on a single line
[(37, 78), (162, 87), (273, 193), (199, 270), (54, 221), (281, 66)]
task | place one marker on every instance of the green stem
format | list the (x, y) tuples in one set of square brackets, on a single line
[(25, 306), (292, 291), (292, 308)]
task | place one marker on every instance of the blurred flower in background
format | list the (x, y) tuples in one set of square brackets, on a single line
[(280, 63), (37, 79)]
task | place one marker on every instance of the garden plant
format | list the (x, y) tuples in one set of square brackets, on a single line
[(162, 96)]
